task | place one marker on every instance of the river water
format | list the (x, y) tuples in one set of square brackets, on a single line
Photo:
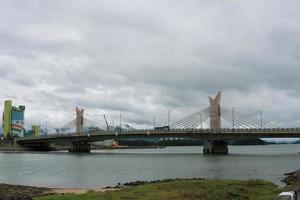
[(109, 167)]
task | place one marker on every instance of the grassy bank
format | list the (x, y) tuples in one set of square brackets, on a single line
[(184, 190)]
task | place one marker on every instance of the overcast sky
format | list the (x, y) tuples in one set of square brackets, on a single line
[(143, 58)]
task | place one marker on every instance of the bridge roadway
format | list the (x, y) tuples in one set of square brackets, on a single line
[(202, 134), (214, 140)]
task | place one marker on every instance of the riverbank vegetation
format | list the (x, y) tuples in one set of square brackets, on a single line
[(183, 190)]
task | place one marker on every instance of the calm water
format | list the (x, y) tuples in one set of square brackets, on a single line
[(109, 167)]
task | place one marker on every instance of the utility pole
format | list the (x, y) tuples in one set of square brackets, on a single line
[(232, 117), (154, 122)]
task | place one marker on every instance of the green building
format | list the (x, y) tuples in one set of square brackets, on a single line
[(35, 130), (13, 120)]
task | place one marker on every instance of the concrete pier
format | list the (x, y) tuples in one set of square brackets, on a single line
[(80, 147), (215, 147)]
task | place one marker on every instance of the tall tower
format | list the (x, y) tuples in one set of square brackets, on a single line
[(13, 120), (79, 121), (7, 118), (215, 111)]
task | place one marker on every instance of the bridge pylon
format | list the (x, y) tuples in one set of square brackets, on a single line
[(79, 121), (215, 146), (215, 111)]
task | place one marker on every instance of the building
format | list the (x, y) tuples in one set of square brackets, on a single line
[(13, 120), (35, 130)]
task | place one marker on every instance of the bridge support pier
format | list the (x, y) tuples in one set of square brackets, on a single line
[(36, 146), (215, 147), (80, 147)]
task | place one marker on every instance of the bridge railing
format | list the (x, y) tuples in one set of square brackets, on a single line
[(168, 131)]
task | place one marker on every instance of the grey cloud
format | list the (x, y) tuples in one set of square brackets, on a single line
[(145, 58)]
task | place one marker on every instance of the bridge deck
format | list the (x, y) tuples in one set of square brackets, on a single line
[(224, 134)]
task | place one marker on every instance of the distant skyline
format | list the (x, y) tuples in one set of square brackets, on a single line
[(145, 58)]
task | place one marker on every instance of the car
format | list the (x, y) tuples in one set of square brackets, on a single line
[(290, 195)]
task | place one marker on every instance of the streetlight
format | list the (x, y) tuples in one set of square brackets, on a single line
[(154, 122), (46, 127), (46, 124), (201, 120), (120, 122), (232, 117), (261, 119), (169, 117)]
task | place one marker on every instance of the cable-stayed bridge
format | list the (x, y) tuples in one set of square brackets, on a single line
[(215, 137)]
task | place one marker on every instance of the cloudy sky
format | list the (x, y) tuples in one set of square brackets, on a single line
[(143, 58)]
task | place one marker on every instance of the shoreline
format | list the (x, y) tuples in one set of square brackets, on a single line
[(19, 192), (160, 189)]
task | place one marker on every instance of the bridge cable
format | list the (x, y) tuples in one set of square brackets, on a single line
[(227, 117), (240, 119), (187, 120), (250, 120), (190, 120)]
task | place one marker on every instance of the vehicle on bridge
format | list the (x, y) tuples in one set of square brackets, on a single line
[(162, 128)]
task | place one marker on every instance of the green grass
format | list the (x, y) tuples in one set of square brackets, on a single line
[(184, 190)]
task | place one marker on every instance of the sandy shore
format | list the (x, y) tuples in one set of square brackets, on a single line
[(81, 191), (19, 192)]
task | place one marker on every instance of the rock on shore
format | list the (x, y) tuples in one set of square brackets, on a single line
[(292, 180), (17, 192)]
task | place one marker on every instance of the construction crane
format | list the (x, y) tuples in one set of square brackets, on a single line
[(106, 123)]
